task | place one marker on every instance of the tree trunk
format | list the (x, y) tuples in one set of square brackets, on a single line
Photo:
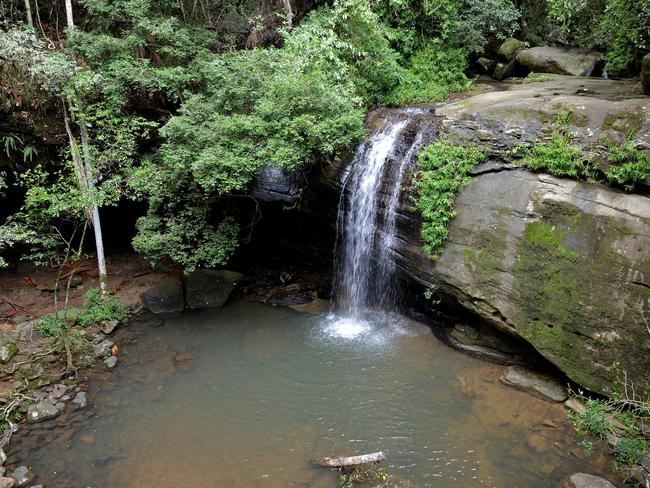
[(287, 8), (28, 10), (97, 224), (68, 13), (344, 462)]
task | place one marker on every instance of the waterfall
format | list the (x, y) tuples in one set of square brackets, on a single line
[(367, 215)]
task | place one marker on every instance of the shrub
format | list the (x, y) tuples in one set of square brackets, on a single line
[(98, 308)]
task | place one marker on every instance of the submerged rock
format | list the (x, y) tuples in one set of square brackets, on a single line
[(22, 475), (209, 288), (42, 410), (561, 61), (7, 482), (540, 385), (582, 480), (165, 297)]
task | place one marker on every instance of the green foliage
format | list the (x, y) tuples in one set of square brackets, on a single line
[(558, 157), (98, 308), (345, 481), (53, 325), (619, 27), (628, 451), (443, 171), (626, 165), (433, 72)]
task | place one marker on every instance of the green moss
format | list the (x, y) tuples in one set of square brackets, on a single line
[(486, 256), (538, 77), (625, 121)]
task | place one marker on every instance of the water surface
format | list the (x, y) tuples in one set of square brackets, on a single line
[(247, 395)]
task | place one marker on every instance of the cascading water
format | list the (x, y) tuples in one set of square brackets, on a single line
[(367, 219)]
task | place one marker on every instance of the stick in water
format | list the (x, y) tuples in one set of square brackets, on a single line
[(343, 462)]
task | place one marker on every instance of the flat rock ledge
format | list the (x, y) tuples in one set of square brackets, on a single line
[(540, 385)]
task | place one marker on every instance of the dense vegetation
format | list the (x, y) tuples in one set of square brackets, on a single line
[(180, 104)]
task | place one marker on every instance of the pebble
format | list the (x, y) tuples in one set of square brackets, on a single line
[(7, 482)]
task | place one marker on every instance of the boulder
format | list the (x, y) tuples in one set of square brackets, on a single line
[(503, 69), (165, 297), (510, 48), (42, 410), (645, 74), (7, 352), (209, 288), (582, 480), (543, 386), (559, 263), (561, 61), (275, 184)]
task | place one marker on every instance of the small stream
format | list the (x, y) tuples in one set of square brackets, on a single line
[(248, 395)]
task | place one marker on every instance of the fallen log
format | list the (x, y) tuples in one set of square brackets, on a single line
[(344, 462)]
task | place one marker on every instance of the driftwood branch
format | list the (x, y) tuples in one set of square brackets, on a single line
[(344, 462)]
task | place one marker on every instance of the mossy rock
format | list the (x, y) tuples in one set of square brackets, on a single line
[(510, 48)]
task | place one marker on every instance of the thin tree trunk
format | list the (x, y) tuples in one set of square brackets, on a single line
[(68, 13), (287, 8), (28, 9), (97, 224)]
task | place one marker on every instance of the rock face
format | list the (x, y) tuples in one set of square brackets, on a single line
[(559, 263), (582, 480), (575, 62), (275, 184), (645, 74), (209, 288), (542, 386), (165, 297)]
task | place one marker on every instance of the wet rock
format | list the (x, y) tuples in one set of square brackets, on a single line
[(80, 399), (209, 288), (110, 362), (503, 70), (43, 410), (7, 482), (7, 352), (645, 74), (22, 474), (561, 61), (275, 184), (102, 349), (3, 457), (582, 480), (540, 385), (108, 326), (165, 297)]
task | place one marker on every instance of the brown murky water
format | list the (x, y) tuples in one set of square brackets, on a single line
[(246, 396)]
